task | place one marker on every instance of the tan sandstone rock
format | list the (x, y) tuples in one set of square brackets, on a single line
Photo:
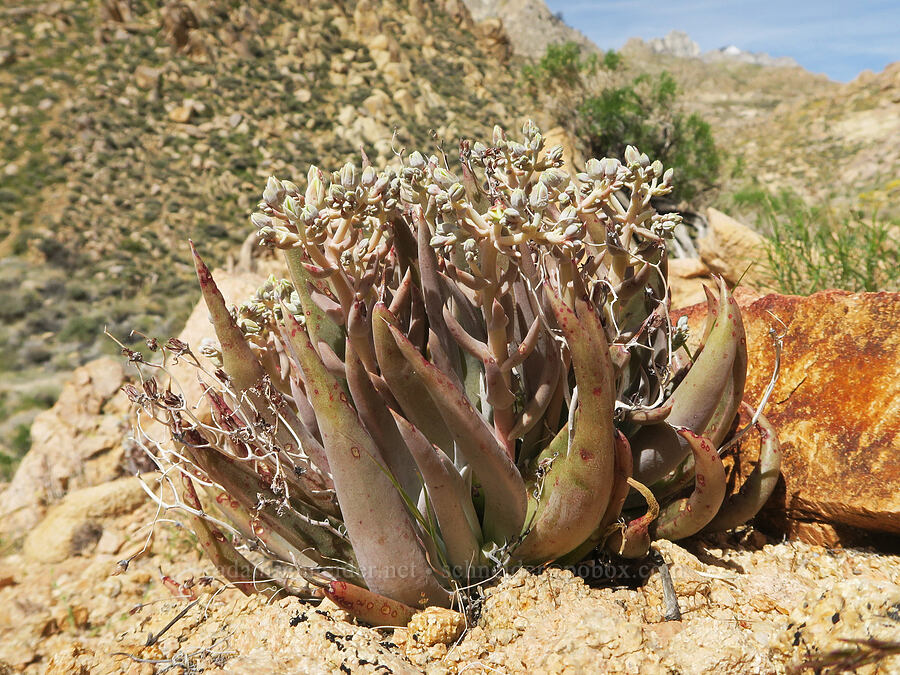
[(686, 279), (730, 247), (436, 625), (76, 523), (572, 158), (78, 442)]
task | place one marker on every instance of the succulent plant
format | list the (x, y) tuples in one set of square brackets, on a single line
[(471, 367)]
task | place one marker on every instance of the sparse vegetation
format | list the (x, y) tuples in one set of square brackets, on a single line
[(814, 247), (644, 113), (98, 175)]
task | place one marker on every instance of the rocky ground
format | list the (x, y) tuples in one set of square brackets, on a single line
[(750, 602), (749, 605)]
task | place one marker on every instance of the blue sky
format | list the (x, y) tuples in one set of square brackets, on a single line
[(838, 38)]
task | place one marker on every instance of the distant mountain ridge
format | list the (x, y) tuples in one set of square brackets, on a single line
[(678, 43)]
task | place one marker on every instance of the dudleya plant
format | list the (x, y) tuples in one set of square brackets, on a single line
[(471, 367)]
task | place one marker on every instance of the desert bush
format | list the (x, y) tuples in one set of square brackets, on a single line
[(609, 110)]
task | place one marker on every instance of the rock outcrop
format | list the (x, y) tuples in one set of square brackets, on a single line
[(530, 24), (836, 407), (733, 250), (76, 524), (79, 442)]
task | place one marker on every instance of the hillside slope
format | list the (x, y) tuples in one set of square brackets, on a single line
[(127, 128)]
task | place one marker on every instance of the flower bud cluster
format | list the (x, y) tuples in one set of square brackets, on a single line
[(502, 196)]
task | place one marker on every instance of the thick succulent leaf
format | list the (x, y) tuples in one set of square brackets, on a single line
[(238, 359), (253, 529), (657, 450), (366, 606), (411, 393), (299, 525), (321, 327), (642, 416), (374, 513), (700, 392), (577, 488), (733, 393), (757, 488), (448, 359), (504, 490), (450, 498), (623, 469), (545, 385), (230, 563), (244, 369), (377, 418), (689, 515)]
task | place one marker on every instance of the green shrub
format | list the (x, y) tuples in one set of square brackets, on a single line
[(643, 113), (561, 65), (592, 97)]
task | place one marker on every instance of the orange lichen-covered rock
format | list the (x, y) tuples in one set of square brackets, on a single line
[(836, 407)]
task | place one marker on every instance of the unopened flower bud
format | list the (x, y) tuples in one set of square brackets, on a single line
[(416, 160), (309, 214), (457, 192), (315, 187), (260, 220), (381, 183), (518, 200), (348, 176), (594, 169), (290, 207), (511, 215), (274, 193), (555, 154), (610, 167), (554, 178), (443, 178), (290, 187), (540, 196), (517, 149), (567, 217), (632, 156), (529, 129), (369, 176)]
